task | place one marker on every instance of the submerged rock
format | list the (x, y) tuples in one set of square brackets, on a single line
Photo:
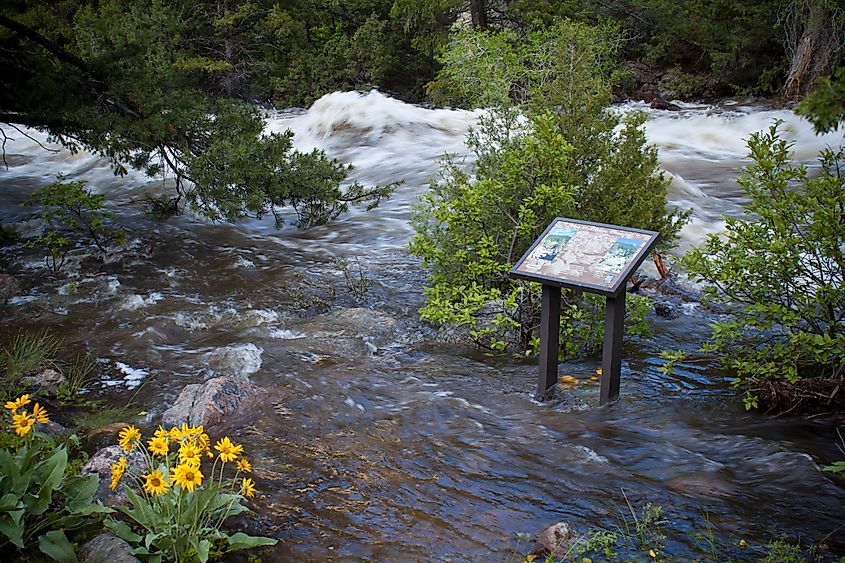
[(662, 103), (555, 540), (107, 548), (100, 465), (211, 402)]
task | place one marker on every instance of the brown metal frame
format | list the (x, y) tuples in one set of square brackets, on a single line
[(614, 317)]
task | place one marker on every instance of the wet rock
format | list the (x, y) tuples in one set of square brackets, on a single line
[(48, 379), (669, 287), (100, 465), (212, 402), (104, 436), (662, 103), (9, 287), (555, 540), (51, 428), (107, 548), (666, 309)]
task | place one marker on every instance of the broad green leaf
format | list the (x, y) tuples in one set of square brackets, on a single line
[(11, 526), (55, 544), (241, 540), (49, 474), (202, 550), (123, 531)]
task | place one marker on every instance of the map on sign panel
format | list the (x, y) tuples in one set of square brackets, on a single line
[(588, 255)]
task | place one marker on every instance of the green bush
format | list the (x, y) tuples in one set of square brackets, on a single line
[(781, 270), (69, 207), (549, 147), (41, 497)]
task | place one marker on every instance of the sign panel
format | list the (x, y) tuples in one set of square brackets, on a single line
[(582, 255)]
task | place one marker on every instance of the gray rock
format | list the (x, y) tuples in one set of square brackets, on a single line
[(9, 287), (48, 379), (555, 540), (51, 428), (212, 402), (106, 548), (100, 465), (663, 103)]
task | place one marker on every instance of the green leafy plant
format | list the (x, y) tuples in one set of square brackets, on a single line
[(603, 542), (69, 207), (548, 147), (178, 509), (42, 499), (357, 284), (781, 551), (781, 269)]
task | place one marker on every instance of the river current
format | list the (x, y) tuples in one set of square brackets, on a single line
[(378, 442)]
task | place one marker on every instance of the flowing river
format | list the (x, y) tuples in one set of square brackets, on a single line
[(377, 441)]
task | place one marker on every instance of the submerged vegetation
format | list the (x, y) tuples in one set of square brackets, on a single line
[(550, 146), (782, 269)]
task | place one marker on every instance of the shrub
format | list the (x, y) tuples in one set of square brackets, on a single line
[(41, 499), (70, 207), (781, 269), (549, 147), (179, 508)]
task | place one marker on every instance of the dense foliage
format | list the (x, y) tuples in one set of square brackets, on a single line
[(42, 499), (550, 147), (783, 267), (135, 82)]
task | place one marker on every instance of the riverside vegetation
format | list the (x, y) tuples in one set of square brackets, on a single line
[(140, 85)]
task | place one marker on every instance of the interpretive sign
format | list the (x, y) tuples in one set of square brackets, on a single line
[(590, 257)]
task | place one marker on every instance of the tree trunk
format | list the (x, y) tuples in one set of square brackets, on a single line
[(478, 11), (815, 38)]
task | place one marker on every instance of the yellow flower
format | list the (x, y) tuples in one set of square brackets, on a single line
[(247, 487), (243, 465), (204, 443), (18, 403), (228, 450), (186, 476), (176, 434), (155, 483), (22, 423), (117, 471), (161, 433), (189, 453), (158, 445), (39, 413), (129, 438)]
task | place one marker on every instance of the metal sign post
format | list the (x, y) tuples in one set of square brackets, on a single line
[(589, 257)]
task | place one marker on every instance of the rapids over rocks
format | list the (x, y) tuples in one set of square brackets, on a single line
[(377, 442)]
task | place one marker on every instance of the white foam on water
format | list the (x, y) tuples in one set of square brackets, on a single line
[(242, 262), (132, 376), (135, 301), (284, 334)]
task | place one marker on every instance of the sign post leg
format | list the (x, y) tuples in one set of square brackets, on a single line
[(611, 355), (549, 335)]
